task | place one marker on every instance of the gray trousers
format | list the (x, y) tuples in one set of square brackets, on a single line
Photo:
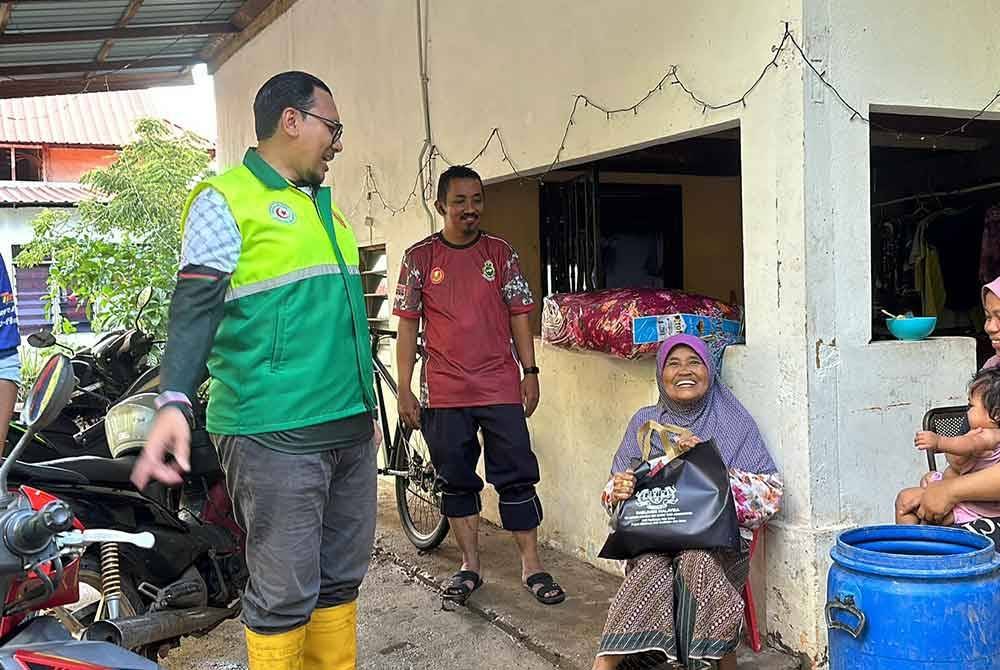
[(310, 525)]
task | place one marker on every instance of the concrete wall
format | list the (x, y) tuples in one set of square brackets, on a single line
[(15, 230), (865, 400), (834, 409)]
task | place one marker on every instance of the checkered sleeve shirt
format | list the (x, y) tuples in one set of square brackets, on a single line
[(211, 236)]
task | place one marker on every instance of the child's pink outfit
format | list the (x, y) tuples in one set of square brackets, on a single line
[(969, 511)]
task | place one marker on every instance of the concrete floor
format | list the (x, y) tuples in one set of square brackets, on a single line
[(402, 625)]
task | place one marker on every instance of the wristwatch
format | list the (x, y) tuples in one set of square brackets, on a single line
[(533, 370), (178, 400)]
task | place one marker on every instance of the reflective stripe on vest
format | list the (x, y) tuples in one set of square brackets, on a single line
[(285, 279)]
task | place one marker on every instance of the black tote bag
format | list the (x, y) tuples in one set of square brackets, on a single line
[(686, 504)]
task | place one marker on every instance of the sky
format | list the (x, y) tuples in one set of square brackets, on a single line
[(191, 107)]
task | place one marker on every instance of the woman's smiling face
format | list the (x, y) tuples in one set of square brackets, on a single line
[(685, 375)]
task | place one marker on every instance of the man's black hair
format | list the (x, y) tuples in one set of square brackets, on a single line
[(288, 89), (455, 172)]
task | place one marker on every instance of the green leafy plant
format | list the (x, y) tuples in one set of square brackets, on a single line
[(127, 236), (32, 362)]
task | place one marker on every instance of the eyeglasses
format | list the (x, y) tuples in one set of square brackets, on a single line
[(336, 127)]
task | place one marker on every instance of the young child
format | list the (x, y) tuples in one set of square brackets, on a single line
[(976, 450)]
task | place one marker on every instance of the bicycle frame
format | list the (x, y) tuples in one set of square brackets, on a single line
[(419, 479), (382, 374)]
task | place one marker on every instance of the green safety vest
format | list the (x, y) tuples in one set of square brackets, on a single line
[(293, 347)]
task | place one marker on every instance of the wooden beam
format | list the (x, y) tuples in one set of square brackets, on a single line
[(24, 88), (127, 15), (247, 12), (241, 18), (102, 55), (54, 36), (94, 66), (233, 43), (6, 9)]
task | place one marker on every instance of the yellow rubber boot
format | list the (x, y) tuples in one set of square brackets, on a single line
[(282, 651), (331, 638)]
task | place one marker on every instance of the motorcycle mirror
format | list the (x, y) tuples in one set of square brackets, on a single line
[(42, 339), (145, 295), (50, 393), (142, 301), (47, 398)]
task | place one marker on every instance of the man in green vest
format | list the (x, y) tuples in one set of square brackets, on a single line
[(270, 299)]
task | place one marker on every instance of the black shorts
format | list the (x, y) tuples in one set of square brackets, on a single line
[(511, 467), (986, 527)]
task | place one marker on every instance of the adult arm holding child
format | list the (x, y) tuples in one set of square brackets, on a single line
[(941, 497)]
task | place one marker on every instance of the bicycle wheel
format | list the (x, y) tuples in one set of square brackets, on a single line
[(418, 499)]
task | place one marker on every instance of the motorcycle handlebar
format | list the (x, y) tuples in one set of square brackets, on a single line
[(30, 533)]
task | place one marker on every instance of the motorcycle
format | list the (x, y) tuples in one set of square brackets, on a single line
[(40, 554), (194, 578), (116, 366)]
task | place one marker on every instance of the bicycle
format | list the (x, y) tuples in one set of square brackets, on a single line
[(407, 458)]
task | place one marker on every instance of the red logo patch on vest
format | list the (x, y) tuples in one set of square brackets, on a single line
[(281, 212)]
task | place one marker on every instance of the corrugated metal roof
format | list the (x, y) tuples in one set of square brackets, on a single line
[(178, 46), (156, 12), (101, 119), (63, 52), (56, 46), (41, 193), (58, 16)]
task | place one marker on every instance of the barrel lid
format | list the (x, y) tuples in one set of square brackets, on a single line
[(929, 552)]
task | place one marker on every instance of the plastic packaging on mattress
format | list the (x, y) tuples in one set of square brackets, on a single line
[(630, 323)]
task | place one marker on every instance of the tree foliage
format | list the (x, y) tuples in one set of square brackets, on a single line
[(127, 236)]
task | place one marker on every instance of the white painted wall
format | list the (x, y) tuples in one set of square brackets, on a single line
[(836, 411), (15, 230), (866, 400)]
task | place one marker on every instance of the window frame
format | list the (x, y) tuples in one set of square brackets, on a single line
[(12, 149)]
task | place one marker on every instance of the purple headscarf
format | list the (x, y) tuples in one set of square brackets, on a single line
[(718, 415), (994, 288)]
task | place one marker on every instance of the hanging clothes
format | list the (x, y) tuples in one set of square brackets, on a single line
[(928, 277)]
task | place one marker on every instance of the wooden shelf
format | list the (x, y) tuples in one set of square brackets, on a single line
[(372, 255)]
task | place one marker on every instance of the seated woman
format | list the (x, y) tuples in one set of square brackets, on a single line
[(687, 609)]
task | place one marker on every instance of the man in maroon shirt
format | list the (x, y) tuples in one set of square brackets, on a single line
[(467, 287)]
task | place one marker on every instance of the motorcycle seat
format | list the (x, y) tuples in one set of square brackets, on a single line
[(28, 473), (98, 470)]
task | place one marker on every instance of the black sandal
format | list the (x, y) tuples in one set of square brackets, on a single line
[(458, 590), (548, 591)]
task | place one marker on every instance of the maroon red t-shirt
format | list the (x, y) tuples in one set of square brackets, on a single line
[(466, 296)]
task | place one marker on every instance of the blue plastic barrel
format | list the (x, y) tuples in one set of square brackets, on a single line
[(912, 597)]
